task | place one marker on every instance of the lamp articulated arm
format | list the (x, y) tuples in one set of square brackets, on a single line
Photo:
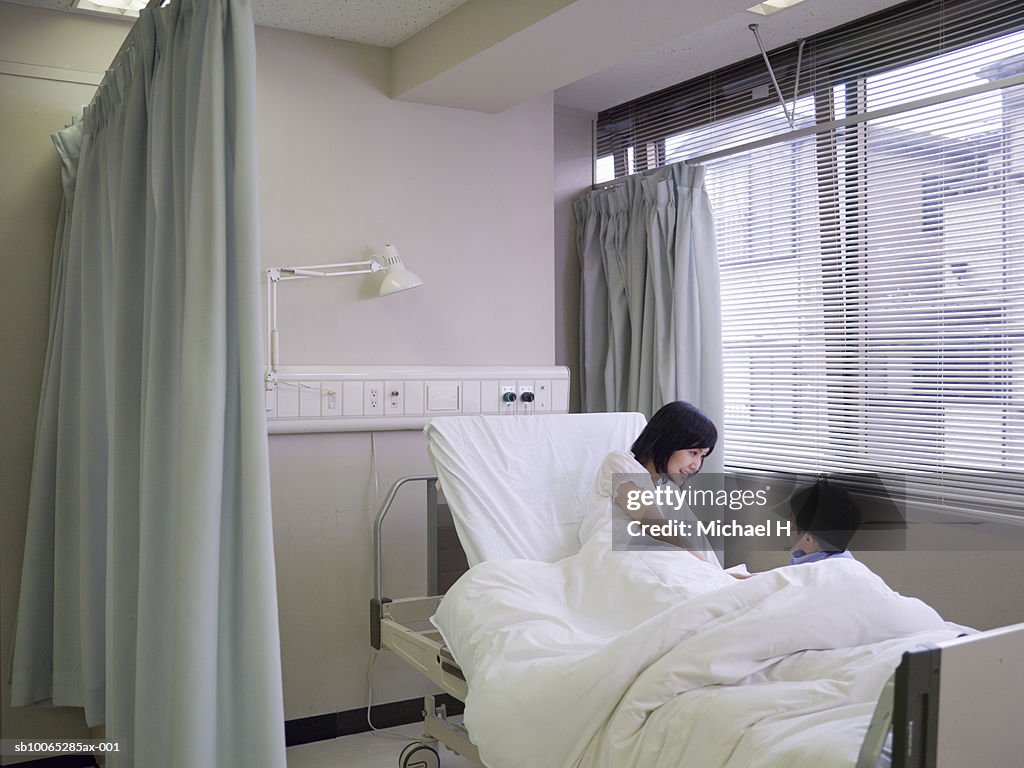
[(276, 274), (398, 278)]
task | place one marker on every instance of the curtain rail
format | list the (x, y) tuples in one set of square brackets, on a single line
[(126, 46)]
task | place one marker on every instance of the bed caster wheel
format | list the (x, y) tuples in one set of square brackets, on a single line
[(419, 756)]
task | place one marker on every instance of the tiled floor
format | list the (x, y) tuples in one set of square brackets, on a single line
[(366, 750)]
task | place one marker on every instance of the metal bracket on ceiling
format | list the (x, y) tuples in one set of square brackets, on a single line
[(790, 115)]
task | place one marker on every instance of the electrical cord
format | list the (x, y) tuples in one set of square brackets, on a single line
[(374, 730)]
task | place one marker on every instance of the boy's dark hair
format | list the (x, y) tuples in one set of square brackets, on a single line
[(675, 427), (825, 510)]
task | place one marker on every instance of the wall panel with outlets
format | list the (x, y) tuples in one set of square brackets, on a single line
[(372, 398)]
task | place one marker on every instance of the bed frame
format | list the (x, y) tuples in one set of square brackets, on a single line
[(403, 626), (959, 703), (949, 705)]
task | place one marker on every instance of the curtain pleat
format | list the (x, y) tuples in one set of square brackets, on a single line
[(149, 594), (650, 319)]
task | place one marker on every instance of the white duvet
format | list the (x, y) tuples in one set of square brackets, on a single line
[(616, 659)]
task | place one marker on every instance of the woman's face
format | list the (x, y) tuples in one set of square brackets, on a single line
[(684, 463)]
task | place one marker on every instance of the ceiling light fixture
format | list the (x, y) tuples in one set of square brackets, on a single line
[(768, 7), (126, 9)]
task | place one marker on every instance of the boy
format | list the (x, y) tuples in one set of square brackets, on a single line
[(825, 519)]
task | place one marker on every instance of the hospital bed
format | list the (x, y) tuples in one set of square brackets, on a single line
[(561, 452), (503, 522)]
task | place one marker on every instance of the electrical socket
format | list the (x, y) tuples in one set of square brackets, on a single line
[(507, 402), (394, 398), (525, 403), (372, 400), (331, 398)]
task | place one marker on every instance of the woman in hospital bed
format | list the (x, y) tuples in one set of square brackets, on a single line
[(670, 449), (660, 658)]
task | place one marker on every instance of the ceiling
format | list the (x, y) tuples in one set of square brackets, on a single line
[(489, 55)]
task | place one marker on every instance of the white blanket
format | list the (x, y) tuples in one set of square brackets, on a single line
[(614, 659)]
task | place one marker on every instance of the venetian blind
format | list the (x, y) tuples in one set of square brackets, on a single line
[(872, 254)]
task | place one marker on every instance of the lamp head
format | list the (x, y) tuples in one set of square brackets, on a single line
[(396, 277)]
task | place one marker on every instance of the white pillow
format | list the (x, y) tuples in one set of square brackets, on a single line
[(519, 485)]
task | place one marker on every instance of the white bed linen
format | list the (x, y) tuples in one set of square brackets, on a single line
[(518, 485), (614, 659)]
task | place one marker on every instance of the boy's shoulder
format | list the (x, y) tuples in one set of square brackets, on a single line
[(799, 557)]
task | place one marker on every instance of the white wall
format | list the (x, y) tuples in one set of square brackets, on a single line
[(573, 177), (467, 198)]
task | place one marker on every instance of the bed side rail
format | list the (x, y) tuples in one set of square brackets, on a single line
[(378, 578), (878, 730)]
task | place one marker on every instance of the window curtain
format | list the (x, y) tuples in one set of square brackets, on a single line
[(650, 309), (148, 591)]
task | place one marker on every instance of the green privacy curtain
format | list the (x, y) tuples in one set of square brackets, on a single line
[(650, 306), (148, 590)]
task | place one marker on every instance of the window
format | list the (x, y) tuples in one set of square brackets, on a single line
[(873, 280), (872, 256)]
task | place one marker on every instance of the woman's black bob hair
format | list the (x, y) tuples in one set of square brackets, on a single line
[(675, 427)]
